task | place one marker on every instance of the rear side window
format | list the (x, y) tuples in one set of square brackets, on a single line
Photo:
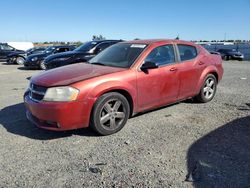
[(187, 52), (62, 50), (162, 55), (102, 46)]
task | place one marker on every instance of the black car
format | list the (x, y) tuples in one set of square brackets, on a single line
[(36, 60), (81, 54), (5, 50), (20, 57), (228, 54)]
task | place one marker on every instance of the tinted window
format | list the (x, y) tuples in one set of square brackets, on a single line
[(59, 50), (6, 47), (86, 46), (187, 52), (162, 55), (102, 46), (50, 49), (119, 55)]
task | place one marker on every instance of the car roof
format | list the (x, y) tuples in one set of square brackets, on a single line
[(153, 41), (99, 41), (62, 46)]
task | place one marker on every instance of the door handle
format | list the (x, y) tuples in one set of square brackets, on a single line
[(173, 69), (201, 63)]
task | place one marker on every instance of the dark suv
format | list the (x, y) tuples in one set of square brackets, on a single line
[(36, 60), (19, 57), (81, 54), (228, 54), (5, 50)]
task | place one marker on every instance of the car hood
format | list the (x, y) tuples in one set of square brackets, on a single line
[(72, 73), (39, 56), (17, 53), (63, 54)]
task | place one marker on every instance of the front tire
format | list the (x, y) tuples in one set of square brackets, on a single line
[(208, 89), (110, 113), (20, 60)]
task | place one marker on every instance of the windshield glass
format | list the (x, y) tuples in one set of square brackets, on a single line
[(50, 49), (119, 55), (29, 50), (86, 46)]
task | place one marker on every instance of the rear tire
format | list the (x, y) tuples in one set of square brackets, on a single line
[(20, 60), (208, 89), (110, 113), (42, 66)]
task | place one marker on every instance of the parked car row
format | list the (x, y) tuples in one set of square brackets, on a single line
[(54, 56), (228, 54), (120, 81), (19, 57), (37, 60), (81, 54)]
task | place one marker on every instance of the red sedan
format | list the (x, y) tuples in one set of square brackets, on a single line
[(124, 79)]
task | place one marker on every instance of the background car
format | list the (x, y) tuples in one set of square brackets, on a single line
[(36, 60), (81, 54), (19, 57), (124, 79), (5, 50), (228, 54)]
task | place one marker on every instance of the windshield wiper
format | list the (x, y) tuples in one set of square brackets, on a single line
[(98, 63)]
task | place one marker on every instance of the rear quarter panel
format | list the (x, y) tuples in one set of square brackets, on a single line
[(213, 64)]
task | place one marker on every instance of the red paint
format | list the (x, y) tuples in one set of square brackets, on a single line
[(156, 88)]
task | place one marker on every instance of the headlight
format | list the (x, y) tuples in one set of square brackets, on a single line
[(61, 94), (34, 59)]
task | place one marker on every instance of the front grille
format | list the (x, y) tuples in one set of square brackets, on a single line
[(36, 93)]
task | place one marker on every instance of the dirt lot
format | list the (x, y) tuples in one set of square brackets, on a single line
[(155, 149)]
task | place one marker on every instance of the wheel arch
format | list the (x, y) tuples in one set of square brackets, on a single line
[(209, 70), (123, 92)]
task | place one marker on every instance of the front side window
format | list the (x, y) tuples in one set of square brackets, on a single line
[(119, 55), (187, 52), (50, 49), (162, 55)]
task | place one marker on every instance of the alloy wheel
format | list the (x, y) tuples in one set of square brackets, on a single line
[(112, 114), (209, 88)]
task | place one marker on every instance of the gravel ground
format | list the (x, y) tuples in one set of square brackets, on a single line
[(208, 142)]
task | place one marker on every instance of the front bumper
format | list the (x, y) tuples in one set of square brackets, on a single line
[(58, 116), (238, 57), (11, 60), (32, 64)]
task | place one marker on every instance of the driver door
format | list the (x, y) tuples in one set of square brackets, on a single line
[(159, 86)]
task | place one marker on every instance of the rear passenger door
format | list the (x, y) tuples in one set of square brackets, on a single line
[(189, 70), (5, 51)]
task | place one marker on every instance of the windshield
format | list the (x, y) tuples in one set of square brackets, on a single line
[(86, 46), (49, 49), (29, 50), (119, 55)]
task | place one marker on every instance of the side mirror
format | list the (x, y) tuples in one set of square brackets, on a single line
[(97, 50), (56, 51), (149, 65)]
